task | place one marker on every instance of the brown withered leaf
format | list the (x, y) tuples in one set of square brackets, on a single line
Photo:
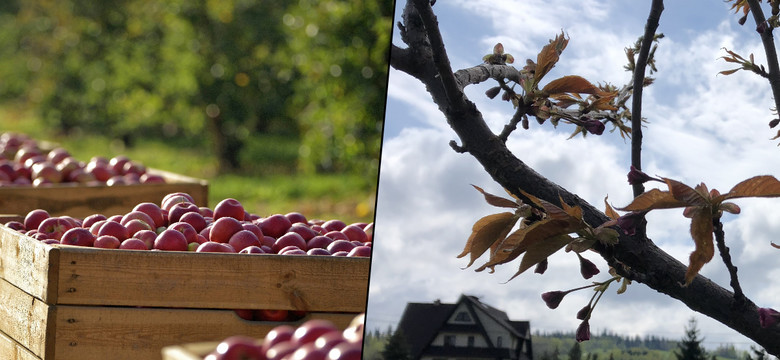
[(611, 213), (654, 199), (487, 231), (549, 56), (688, 195), (701, 231), (541, 250), (775, 245), (757, 186), (519, 241), (729, 72), (570, 84), (603, 103), (496, 200)]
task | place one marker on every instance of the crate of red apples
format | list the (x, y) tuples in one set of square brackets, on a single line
[(36, 174), (315, 339), (170, 272)]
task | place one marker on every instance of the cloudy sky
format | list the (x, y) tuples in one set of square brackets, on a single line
[(702, 127)]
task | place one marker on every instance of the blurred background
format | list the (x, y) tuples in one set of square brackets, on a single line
[(277, 104)]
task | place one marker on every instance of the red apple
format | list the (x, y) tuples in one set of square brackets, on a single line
[(91, 219), (15, 225), (281, 350), (154, 212), (212, 246), (115, 218), (271, 315), (133, 244), (312, 329), (243, 239), (34, 218), (304, 230), (275, 225), (173, 198), (147, 178), (245, 314), (289, 239), (107, 242), (96, 226), (133, 167), (340, 253), (252, 250), (346, 351), (355, 233), (73, 221), (253, 228), (206, 212), (223, 228), (147, 236), (54, 227), (229, 207), (186, 229), (116, 180), (369, 230), (170, 240), (292, 250), (78, 237), (318, 251), (336, 235), (57, 154), (277, 335), (137, 215), (319, 241), (176, 210), (296, 217), (354, 331), (7, 168), (308, 352), (100, 171), (267, 241), (117, 163), (328, 340), (238, 347), (135, 225), (195, 219), (360, 251), (114, 229), (334, 225)]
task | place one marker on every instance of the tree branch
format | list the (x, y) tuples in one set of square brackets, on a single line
[(639, 78), (769, 48), (635, 257), (720, 239)]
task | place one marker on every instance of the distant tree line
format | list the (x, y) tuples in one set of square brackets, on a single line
[(205, 73)]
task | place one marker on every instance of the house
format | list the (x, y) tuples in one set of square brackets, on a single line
[(468, 329)]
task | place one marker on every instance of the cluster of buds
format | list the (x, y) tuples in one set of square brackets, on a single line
[(768, 317), (553, 298)]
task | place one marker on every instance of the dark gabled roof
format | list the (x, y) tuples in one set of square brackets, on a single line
[(421, 322)]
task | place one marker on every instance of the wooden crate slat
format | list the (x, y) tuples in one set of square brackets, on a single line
[(98, 332), (25, 318), (211, 280), (12, 350), (28, 264), (80, 200)]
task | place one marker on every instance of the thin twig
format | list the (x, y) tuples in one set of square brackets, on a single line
[(656, 9), (720, 239), (769, 48)]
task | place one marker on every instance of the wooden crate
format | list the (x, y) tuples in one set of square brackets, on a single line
[(63, 302), (194, 351), (80, 200)]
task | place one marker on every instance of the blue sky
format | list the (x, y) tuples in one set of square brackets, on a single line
[(702, 127)]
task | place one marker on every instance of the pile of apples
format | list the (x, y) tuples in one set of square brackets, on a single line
[(315, 339), (177, 224), (23, 163)]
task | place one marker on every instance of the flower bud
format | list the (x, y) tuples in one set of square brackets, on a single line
[(541, 267), (492, 92), (768, 317), (774, 123), (587, 268), (629, 222), (594, 127), (583, 313), (583, 331), (553, 298), (636, 176)]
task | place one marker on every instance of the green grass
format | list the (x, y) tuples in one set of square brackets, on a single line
[(268, 185)]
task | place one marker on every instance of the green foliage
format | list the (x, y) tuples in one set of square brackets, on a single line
[(690, 347), (210, 74), (396, 348)]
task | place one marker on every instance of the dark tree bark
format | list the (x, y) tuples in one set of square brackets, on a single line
[(634, 257)]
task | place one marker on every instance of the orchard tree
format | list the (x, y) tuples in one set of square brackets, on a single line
[(550, 218), (690, 347)]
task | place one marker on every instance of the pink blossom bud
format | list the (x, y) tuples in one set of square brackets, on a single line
[(553, 298), (768, 317), (583, 331), (587, 268)]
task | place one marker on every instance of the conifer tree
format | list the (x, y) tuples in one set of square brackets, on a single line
[(690, 347), (396, 348), (575, 353)]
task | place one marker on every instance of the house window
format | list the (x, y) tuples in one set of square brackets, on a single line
[(449, 340), (471, 341), (499, 341), (463, 316)]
